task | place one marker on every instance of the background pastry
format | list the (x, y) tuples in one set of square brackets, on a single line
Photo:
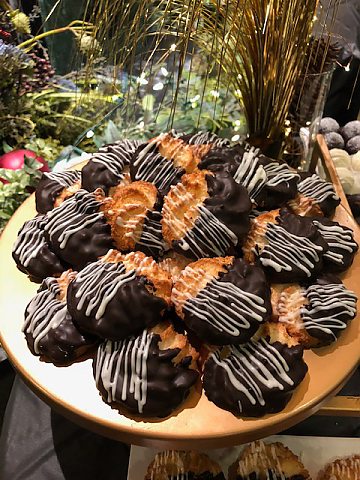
[(342, 469), (261, 461), (181, 465)]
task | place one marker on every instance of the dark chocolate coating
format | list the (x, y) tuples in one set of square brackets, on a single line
[(248, 278), (279, 193), (167, 384), (50, 186), (221, 157), (63, 343), (341, 245), (219, 388), (89, 240), (129, 311), (329, 204), (154, 168), (301, 227), (229, 202), (45, 263), (204, 138), (105, 168), (151, 240), (271, 476), (329, 309)]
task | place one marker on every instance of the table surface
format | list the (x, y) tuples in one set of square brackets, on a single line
[(198, 423)]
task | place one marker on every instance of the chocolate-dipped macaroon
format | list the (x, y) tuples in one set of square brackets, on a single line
[(260, 461), (222, 300), (55, 187), (107, 167), (315, 315), (181, 465), (206, 215), (148, 375), (289, 247), (77, 230), (119, 295), (255, 378), (164, 160), (133, 214), (341, 244), (48, 327), (321, 193), (32, 253)]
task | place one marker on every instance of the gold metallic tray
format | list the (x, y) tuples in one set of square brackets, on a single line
[(199, 423)]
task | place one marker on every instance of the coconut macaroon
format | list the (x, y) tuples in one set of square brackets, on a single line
[(49, 328), (133, 214), (314, 315), (164, 160), (54, 188), (206, 214), (321, 193), (109, 166), (222, 300), (148, 375), (347, 468), (261, 461), (290, 248), (177, 464), (174, 264), (257, 377), (119, 295)]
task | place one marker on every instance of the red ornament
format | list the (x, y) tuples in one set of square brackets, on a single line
[(14, 160)]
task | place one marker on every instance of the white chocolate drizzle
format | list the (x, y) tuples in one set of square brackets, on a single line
[(151, 235), (122, 366), (339, 240), (278, 173), (344, 468), (45, 312), (30, 240), (250, 174), (316, 188), (72, 216), (202, 138), (243, 309), (98, 283), (286, 251), (209, 236), (249, 374), (330, 308), (65, 179), (116, 156), (153, 167)]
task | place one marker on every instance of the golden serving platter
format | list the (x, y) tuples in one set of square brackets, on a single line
[(199, 423)]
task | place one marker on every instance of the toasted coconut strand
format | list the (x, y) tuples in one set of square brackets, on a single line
[(195, 277), (170, 339), (174, 264), (63, 281), (259, 457), (182, 155), (180, 208), (126, 211), (277, 332), (174, 463), (256, 236), (305, 206), (67, 193)]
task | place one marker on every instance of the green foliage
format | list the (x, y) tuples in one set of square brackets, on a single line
[(21, 183)]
